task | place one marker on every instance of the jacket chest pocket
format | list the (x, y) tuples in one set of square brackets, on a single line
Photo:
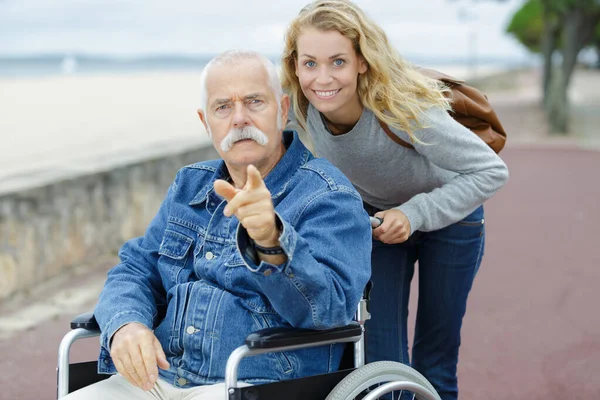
[(212, 261), (174, 250)]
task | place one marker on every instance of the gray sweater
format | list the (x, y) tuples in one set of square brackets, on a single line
[(435, 185)]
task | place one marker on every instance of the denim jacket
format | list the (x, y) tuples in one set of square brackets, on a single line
[(191, 279)]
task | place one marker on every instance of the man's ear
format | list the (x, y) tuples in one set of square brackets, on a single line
[(285, 109), (203, 119)]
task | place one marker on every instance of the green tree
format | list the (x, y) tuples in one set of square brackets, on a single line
[(563, 26), (527, 25)]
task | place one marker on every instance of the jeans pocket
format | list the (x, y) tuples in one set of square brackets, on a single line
[(470, 232), (467, 230), (471, 223), (474, 220)]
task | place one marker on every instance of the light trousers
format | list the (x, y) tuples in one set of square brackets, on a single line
[(118, 388)]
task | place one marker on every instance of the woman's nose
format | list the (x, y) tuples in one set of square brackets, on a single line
[(324, 76)]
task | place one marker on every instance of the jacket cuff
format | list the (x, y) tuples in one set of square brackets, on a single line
[(287, 243), (117, 322), (105, 363)]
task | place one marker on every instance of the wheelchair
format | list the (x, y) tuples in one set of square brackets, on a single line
[(353, 380)]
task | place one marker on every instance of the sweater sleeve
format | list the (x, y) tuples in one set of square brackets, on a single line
[(479, 172)]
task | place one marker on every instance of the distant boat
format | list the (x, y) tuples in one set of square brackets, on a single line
[(68, 65)]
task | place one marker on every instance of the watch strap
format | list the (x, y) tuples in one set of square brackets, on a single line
[(270, 251)]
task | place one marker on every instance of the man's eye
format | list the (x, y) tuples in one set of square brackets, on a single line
[(254, 103), (339, 62), (223, 107), (310, 64)]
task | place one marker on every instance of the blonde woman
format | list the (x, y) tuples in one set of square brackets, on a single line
[(346, 83)]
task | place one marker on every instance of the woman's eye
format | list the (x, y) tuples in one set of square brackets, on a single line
[(310, 64), (338, 62)]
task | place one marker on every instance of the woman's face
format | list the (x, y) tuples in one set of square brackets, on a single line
[(328, 69)]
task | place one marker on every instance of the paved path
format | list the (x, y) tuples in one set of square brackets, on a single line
[(532, 328)]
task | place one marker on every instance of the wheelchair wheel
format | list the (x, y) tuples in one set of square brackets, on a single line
[(373, 375)]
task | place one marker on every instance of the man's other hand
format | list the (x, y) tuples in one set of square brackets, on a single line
[(137, 354)]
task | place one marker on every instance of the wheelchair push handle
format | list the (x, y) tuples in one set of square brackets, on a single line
[(375, 221)]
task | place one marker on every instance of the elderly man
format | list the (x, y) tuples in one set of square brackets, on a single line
[(267, 236)]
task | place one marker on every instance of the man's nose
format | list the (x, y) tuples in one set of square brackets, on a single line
[(240, 115), (324, 76)]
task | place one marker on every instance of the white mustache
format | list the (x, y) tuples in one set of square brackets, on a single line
[(247, 132)]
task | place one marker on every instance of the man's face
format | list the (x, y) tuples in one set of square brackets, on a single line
[(242, 115)]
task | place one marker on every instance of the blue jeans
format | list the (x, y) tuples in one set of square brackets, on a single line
[(448, 261)]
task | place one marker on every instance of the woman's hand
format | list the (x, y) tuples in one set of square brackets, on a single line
[(395, 227)]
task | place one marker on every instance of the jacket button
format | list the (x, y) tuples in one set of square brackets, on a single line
[(209, 256), (268, 272), (190, 329), (181, 381)]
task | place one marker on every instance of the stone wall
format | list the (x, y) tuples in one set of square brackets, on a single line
[(48, 229)]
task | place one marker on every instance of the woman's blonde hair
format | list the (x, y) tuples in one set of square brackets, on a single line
[(392, 88)]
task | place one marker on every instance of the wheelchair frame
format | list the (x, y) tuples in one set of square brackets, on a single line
[(260, 342)]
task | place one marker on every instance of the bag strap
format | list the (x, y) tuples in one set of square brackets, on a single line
[(392, 136)]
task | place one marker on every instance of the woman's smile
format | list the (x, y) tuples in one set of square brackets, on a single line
[(326, 94)]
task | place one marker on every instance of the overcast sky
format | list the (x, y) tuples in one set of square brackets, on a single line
[(120, 27)]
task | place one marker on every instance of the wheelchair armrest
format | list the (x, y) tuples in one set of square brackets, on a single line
[(85, 321), (282, 336)]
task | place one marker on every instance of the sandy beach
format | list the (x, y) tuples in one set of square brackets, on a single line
[(73, 123)]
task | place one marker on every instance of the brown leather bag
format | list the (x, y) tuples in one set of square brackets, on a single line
[(470, 108)]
